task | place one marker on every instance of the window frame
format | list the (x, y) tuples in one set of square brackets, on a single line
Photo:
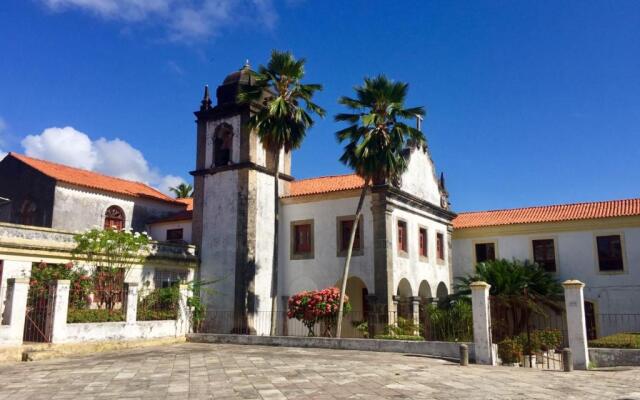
[(174, 230), (555, 251), (293, 254), (482, 241), (340, 252), (423, 256), (402, 250), (623, 253), (105, 217), (442, 260)]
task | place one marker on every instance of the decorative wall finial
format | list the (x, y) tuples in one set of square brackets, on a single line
[(205, 104), (246, 64)]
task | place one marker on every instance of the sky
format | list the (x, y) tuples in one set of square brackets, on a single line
[(528, 102)]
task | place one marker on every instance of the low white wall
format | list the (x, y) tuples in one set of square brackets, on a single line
[(83, 332), (435, 349)]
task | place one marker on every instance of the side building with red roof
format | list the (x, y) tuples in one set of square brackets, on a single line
[(46, 194), (597, 243)]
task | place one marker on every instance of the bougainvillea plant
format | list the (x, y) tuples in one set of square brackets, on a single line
[(311, 307)]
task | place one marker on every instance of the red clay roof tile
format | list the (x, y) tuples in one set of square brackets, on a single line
[(325, 184), (93, 180), (552, 213)]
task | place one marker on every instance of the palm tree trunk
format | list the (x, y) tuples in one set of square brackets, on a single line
[(347, 260), (274, 267)]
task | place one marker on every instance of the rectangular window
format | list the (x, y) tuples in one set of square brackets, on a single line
[(544, 254), (302, 239), (402, 236), (174, 234), (422, 237), (610, 253), (440, 246), (485, 252), (164, 278), (345, 235)]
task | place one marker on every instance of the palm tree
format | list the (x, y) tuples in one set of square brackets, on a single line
[(518, 289), (182, 191), (281, 123), (376, 137)]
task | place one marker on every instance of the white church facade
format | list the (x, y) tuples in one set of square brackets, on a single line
[(403, 249)]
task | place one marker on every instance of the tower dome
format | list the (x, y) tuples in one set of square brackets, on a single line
[(228, 91)]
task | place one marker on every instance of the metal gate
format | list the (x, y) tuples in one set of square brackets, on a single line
[(37, 323)]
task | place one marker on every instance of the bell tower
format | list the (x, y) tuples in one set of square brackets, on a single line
[(233, 213)]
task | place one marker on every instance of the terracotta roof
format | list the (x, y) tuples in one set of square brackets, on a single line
[(93, 180), (325, 184), (188, 201), (552, 213)]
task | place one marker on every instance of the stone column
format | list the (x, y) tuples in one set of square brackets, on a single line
[(184, 313), (393, 313), (576, 324), (415, 308), (16, 308), (58, 309), (482, 323), (131, 302)]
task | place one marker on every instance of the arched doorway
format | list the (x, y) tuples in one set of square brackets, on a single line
[(358, 298), (442, 292), (404, 296)]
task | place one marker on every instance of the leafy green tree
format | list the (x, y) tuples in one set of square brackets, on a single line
[(518, 289), (182, 191), (281, 122), (375, 138)]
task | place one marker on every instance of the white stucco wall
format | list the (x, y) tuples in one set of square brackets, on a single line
[(218, 250), (420, 177), (612, 293), (411, 266), (158, 230), (265, 217), (326, 268)]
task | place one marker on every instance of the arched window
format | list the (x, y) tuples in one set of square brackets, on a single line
[(114, 218), (28, 212), (222, 141)]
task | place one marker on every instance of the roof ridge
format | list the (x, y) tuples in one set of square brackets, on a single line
[(18, 155), (549, 206), (326, 176)]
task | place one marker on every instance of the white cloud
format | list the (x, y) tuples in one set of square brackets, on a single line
[(184, 20), (112, 157)]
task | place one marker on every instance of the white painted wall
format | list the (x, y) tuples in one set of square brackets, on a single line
[(158, 230), (576, 259), (265, 218), (326, 268), (412, 267), (218, 250), (420, 177)]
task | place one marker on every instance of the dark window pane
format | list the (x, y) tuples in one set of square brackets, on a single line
[(485, 252), (544, 254), (302, 238), (610, 253), (440, 245), (174, 234), (423, 242), (346, 234), (402, 235)]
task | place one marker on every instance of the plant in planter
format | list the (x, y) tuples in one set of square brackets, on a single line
[(550, 339), (510, 351), (311, 307)]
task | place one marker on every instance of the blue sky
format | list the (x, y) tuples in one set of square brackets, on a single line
[(529, 102)]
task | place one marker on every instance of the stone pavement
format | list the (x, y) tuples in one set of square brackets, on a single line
[(211, 371)]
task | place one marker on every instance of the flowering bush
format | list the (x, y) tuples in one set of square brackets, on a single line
[(43, 274), (311, 307)]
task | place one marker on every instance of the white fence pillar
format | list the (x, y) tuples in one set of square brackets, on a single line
[(58, 309), (131, 302), (184, 317), (576, 324), (15, 309), (415, 308), (484, 350)]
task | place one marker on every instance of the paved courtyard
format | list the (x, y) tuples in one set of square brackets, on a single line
[(209, 371)]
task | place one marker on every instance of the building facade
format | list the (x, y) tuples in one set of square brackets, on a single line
[(597, 243)]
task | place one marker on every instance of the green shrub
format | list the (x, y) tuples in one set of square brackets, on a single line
[(402, 327), (399, 337), (451, 324), (157, 315), (78, 315), (618, 341), (510, 350), (159, 304), (550, 339)]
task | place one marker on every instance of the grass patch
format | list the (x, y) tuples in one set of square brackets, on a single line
[(618, 341), (88, 315), (399, 337)]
